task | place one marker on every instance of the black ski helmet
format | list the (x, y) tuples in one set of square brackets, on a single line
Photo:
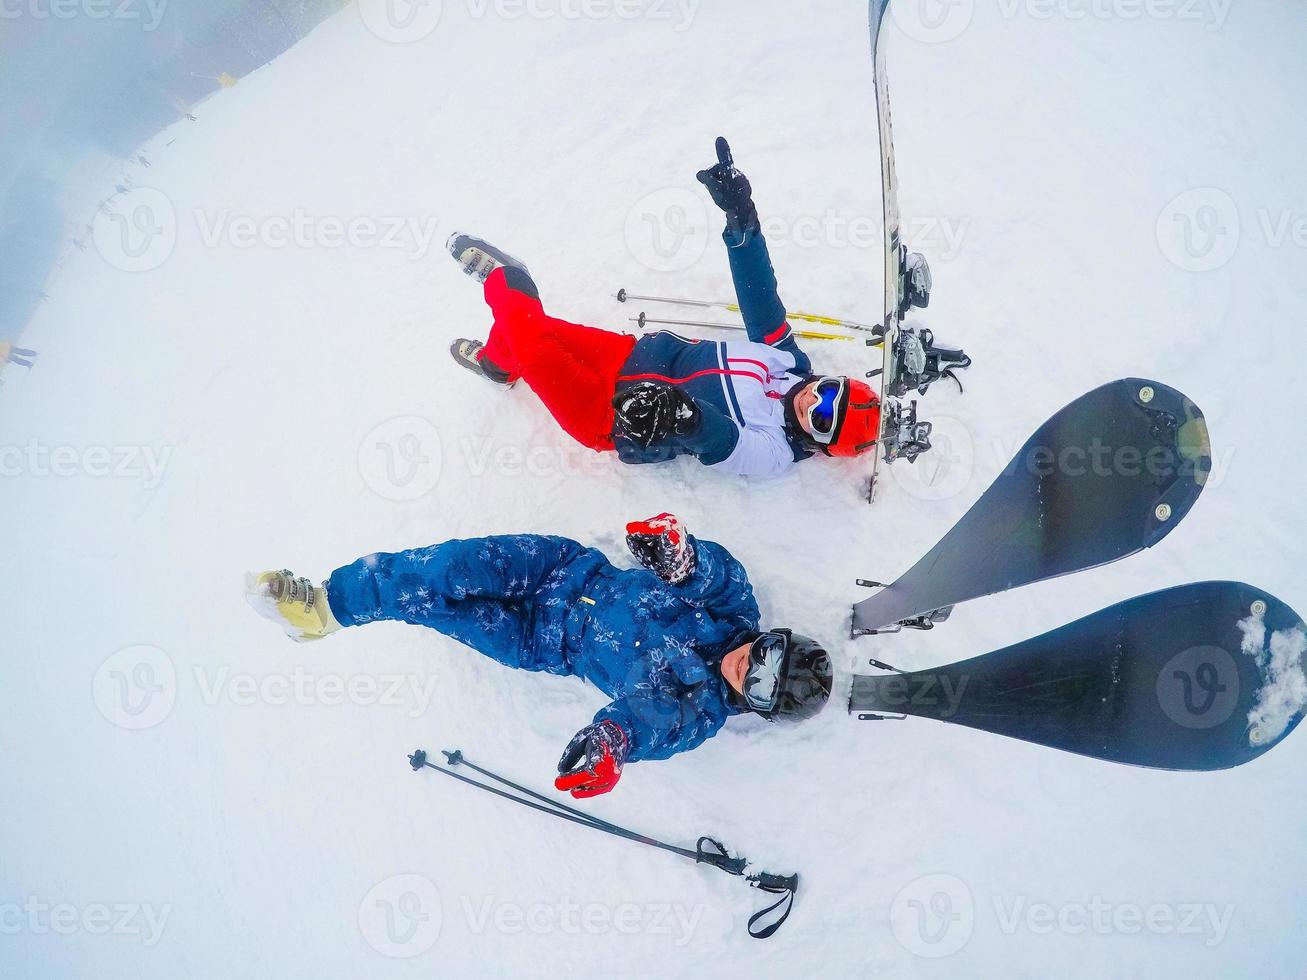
[(799, 671)]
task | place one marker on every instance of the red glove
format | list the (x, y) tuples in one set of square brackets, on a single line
[(592, 762), (662, 545)]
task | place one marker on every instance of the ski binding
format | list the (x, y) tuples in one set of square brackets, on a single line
[(905, 436)]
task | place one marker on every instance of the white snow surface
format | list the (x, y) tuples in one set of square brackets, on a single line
[(195, 796), (1284, 686)]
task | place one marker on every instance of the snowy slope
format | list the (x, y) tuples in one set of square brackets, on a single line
[(303, 410)]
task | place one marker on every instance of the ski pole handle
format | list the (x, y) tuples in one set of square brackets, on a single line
[(775, 883)]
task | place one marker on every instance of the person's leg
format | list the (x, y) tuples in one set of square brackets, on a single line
[(480, 591), (515, 304), (572, 368)]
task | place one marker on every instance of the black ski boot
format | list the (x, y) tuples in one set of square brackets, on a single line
[(467, 353), (478, 257)]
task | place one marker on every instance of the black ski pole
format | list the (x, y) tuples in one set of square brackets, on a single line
[(418, 760), (707, 850), (456, 758)]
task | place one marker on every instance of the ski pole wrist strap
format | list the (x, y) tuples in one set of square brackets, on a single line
[(712, 851), (783, 885)]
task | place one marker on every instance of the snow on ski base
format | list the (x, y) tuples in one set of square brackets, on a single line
[(293, 404)]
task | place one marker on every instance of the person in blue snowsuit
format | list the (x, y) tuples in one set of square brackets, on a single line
[(675, 644), (751, 407)]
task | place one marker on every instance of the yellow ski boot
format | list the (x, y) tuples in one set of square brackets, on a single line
[(295, 604)]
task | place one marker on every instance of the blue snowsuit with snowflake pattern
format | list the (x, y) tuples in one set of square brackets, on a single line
[(545, 603)]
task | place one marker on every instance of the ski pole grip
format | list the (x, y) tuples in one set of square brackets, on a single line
[(775, 883), (418, 759), (710, 851)]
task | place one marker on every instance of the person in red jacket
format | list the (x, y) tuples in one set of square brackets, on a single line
[(750, 407)]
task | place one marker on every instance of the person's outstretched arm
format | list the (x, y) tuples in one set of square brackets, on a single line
[(704, 573), (751, 267)]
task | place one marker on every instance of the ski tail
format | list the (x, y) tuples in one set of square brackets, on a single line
[(1111, 474), (1200, 677)]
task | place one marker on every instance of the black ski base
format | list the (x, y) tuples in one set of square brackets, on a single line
[(1111, 474), (1181, 679)]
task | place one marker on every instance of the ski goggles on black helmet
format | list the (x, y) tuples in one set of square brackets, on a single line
[(788, 677), (762, 677), (830, 399)]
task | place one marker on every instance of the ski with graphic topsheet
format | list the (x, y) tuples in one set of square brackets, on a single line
[(1111, 474), (1198, 677), (889, 191), (909, 360)]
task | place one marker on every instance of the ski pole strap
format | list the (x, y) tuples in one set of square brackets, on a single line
[(783, 885), (712, 851)]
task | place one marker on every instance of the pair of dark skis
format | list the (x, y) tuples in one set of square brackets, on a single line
[(1198, 677)]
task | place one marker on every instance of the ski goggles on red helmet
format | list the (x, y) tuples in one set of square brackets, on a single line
[(830, 400), (762, 677)]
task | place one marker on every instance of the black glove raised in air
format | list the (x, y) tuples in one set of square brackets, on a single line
[(730, 190)]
